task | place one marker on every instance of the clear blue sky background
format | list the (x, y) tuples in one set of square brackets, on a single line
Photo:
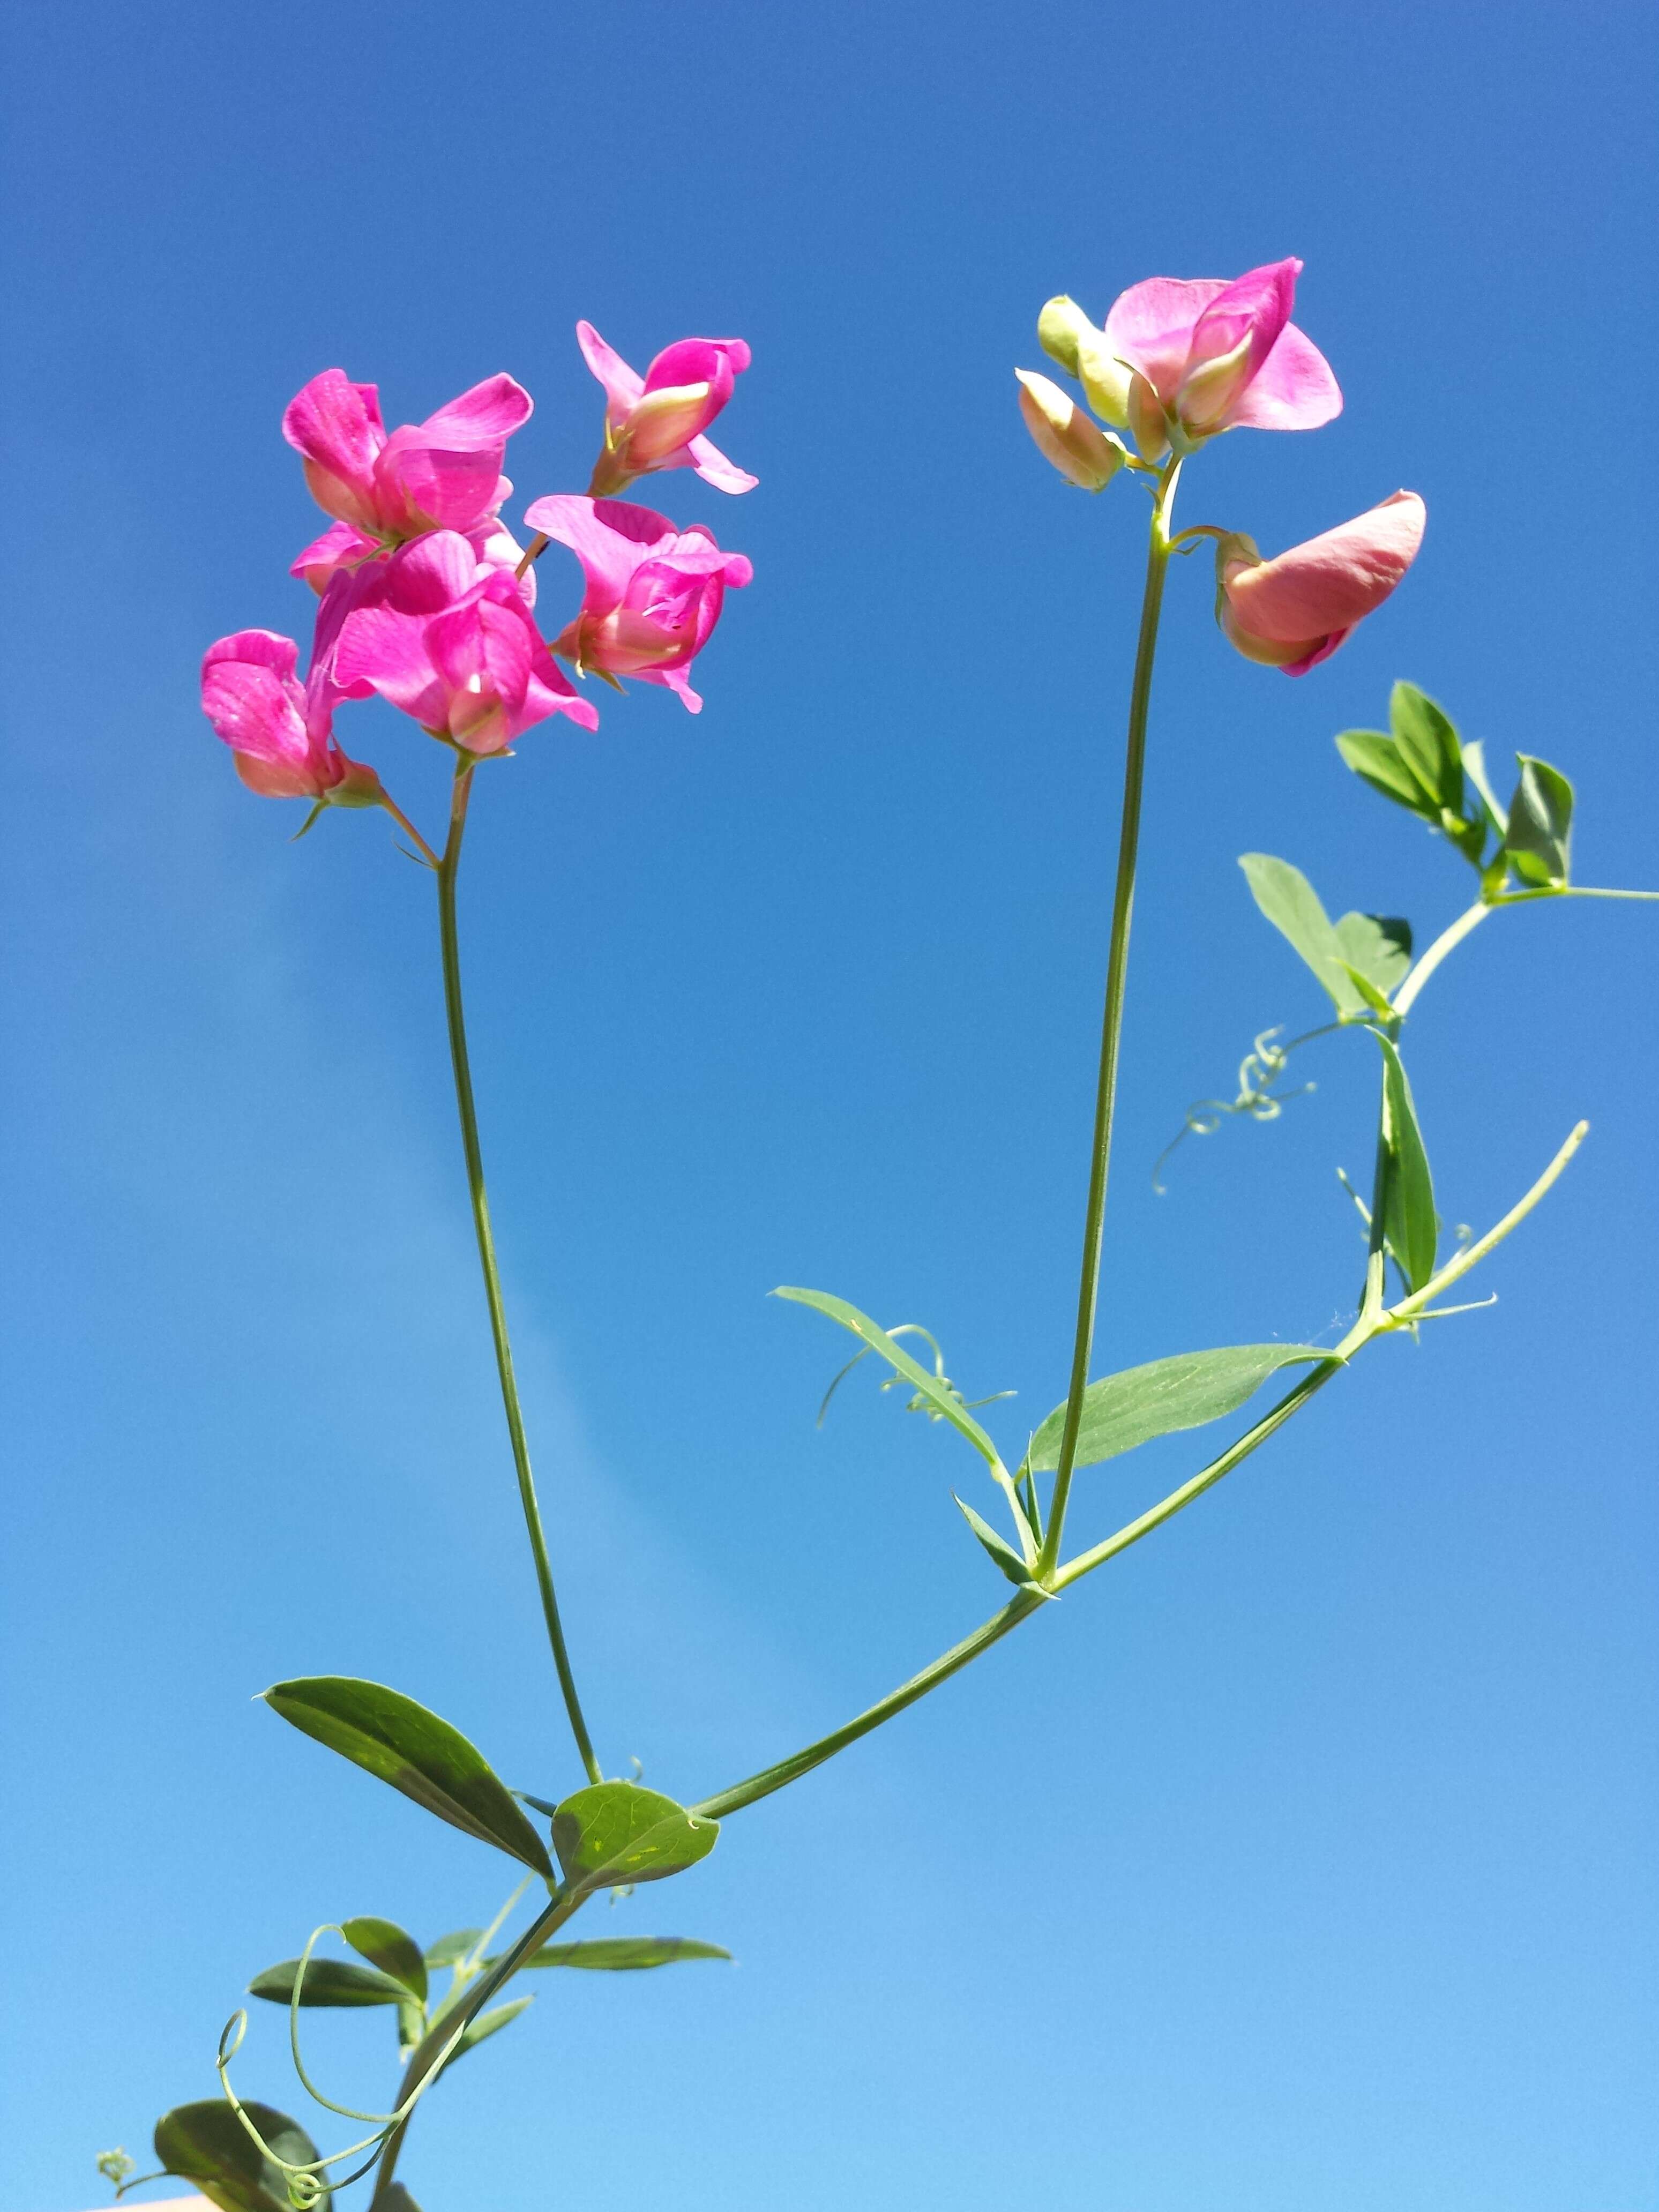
[(1304, 1859)]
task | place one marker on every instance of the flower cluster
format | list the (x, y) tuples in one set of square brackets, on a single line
[(427, 600), (1180, 360)]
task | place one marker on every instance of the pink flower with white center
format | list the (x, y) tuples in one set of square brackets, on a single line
[(280, 740), (450, 640), (653, 593), (1294, 612), (441, 474), (657, 420), (1181, 359)]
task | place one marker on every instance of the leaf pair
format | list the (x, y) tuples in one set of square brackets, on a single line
[(1422, 764), (608, 1833), (1360, 960)]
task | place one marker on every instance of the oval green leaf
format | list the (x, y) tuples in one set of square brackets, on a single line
[(899, 1360), (616, 1832), (1377, 760), (624, 1954), (1539, 842), (393, 1950), (1008, 1560), (1182, 1392), (1408, 1218), (389, 1737), (206, 2144), (449, 1950), (1428, 742), (327, 1982)]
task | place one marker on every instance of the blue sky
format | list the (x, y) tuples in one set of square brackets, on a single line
[(1304, 1859)]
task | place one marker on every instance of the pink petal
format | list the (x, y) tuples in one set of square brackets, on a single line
[(1333, 581), (549, 692), (431, 573), (275, 779), (386, 650), (337, 426), (1150, 326), (1322, 650), (712, 466), (341, 545), (697, 361), (609, 536), (1293, 389), (420, 486), (1256, 306), (622, 385), (481, 419), (675, 680), (664, 421)]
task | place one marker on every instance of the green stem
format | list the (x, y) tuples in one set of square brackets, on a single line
[(1448, 941), (448, 869), (1117, 968), (438, 2044)]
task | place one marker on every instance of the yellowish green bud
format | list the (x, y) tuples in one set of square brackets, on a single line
[(1061, 326), (1062, 432)]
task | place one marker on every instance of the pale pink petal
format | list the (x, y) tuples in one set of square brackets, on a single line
[(712, 466), (1256, 306), (1150, 326), (274, 779), (341, 545), (664, 421), (1293, 389), (622, 385), (1333, 580), (481, 419)]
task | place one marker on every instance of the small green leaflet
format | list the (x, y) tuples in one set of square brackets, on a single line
[(450, 1950), (1182, 1392), (487, 2024), (1376, 759), (1409, 1217), (1379, 946), (1428, 744), (390, 1949), (327, 1982), (624, 1954), (1539, 834), (402, 1744), (206, 2144), (899, 1360), (1008, 1560), (615, 1831)]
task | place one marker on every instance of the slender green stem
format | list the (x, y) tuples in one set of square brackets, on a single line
[(448, 869), (1448, 941), (438, 2044), (790, 1770), (1117, 968), (409, 831)]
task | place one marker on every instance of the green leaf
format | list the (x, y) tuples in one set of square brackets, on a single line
[(1017, 1569), (1368, 941), (1378, 945), (327, 1982), (624, 1954), (206, 2144), (899, 1360), (487, 2024), (1474, 767), (1182, 1392), (401, 1742), (450, 1950), (397, 2199), (1541, 824), (1377, 760), (1428, 744), (1376, 999), (615, 1831), (393, 1951), (1408, 1218)]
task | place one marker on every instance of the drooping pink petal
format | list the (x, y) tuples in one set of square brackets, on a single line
[(480, 419), (1333, 581), (549, 691), (1150, 326), (678, 681), (341, 545), (1293, 390), (606, 535), (431, 573), (712, 466), (385, 650), (252, 697)]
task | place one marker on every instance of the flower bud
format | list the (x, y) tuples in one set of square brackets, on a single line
[(1061, 327), (1293, 612), (359, 785), (1147, 419), (1062, 432), (1105, 380)]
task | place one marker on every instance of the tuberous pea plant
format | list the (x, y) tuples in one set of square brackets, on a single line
[(426, 598)]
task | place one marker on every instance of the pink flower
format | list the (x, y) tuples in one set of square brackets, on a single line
[(1200, 355), (449, 639), (280, 741), (657, 420), (653, 593), (1293, 612), (441, 474)]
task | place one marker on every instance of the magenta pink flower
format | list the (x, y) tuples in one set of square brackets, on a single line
[(450, 639), (441, 474), (280, 740), (657, 420), (653, 593), (1293, 612), (1204, 356)]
